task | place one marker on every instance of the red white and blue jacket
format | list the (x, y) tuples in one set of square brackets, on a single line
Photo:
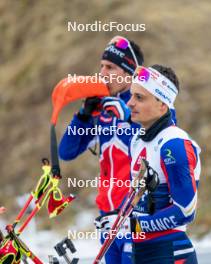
[(114, 153), (114, 157), (175, 157)]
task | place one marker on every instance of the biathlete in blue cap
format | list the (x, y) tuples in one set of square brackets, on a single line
[(119, 61)]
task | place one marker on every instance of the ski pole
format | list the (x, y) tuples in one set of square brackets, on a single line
[(22, 246), (32, 214), (39, 203), (41, 187), (23, 210), (127, 208)]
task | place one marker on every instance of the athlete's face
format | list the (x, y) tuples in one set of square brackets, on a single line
[(117, 79), (145, 108)]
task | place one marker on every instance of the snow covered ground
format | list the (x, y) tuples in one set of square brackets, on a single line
[(42, 243), (88, 249), (203, 249)]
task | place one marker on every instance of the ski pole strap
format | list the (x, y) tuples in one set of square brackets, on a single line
[(54, 153), (44, 182)]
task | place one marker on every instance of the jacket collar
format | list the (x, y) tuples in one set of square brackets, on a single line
[(162, 123), (125, 96)]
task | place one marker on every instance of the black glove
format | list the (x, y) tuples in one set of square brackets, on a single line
[(152, 180), (90, 105)]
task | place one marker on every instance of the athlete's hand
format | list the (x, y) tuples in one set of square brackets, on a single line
[(105, 223), (150, 180), (2, 209), (116, 107), (90, 105)]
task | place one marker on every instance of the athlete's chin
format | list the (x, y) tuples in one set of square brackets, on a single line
[(112, 91), (135, 118)]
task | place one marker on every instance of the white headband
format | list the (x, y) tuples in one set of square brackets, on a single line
[(158, 85)]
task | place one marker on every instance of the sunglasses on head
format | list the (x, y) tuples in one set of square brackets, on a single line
[(142, 73), (123, 43)]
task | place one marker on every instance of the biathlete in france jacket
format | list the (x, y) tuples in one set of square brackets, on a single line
[(114, 181), (175, 156)]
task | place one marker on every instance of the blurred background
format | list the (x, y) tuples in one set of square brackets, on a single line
[(37, 51)]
